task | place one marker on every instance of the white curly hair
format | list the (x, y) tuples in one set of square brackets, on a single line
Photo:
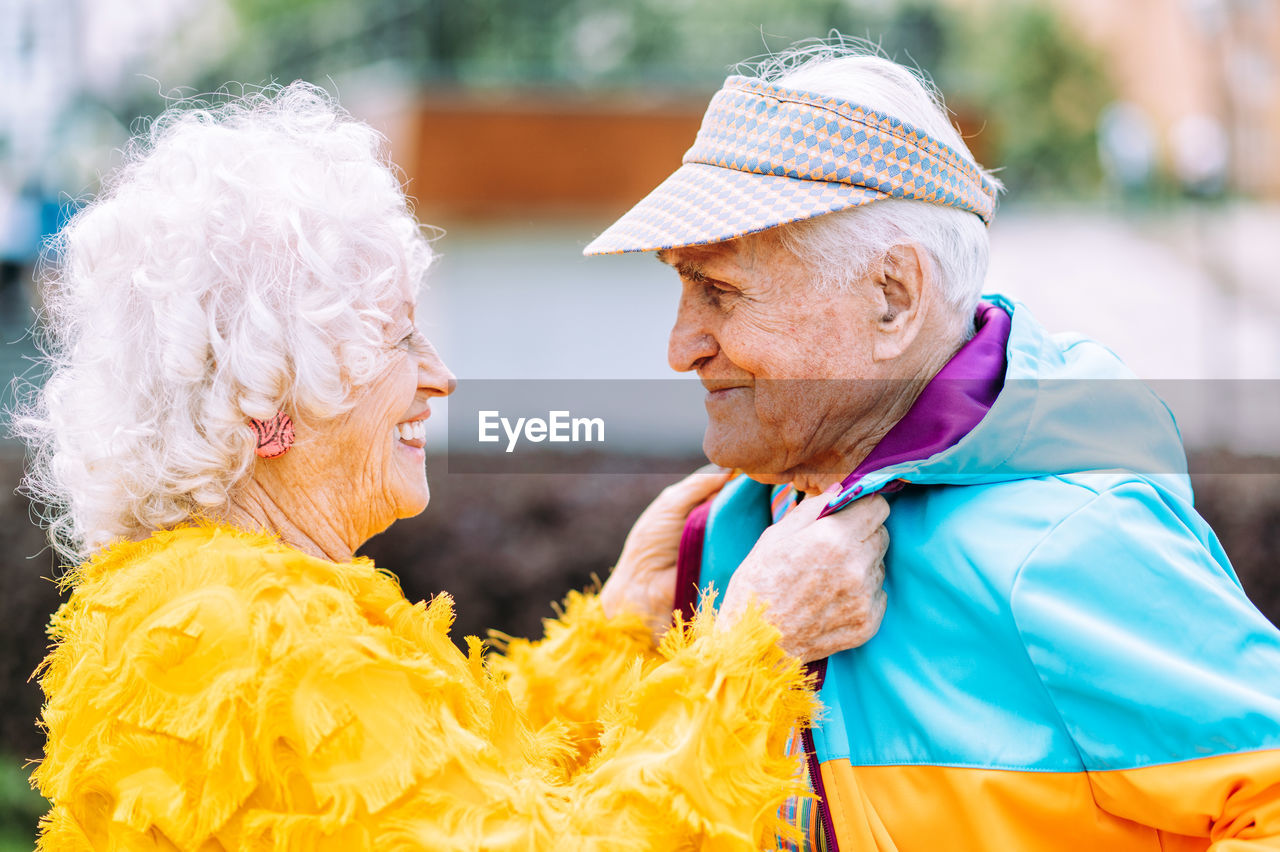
[(241, 262), (839, 248)]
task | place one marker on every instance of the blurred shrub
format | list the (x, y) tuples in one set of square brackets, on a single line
[(1038, 91), (1020, 82), (29, 598), (20, 806)]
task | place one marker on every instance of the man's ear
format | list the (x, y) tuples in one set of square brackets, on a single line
[(900, 282)]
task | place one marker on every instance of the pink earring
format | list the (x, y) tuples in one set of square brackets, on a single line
[(275, 436)]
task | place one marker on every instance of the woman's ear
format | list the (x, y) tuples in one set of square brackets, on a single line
[(900, 279)]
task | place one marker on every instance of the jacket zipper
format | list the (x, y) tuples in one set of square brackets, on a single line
[(819, 668)]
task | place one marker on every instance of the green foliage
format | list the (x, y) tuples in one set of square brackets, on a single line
[(20, 807), (522, 42), (1025, 83), (1040, 92)]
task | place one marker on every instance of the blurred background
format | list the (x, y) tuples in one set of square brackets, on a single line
[(1138, 142)]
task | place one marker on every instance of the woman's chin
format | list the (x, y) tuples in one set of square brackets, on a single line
[(412, 504), (412, 495), (415, 510)]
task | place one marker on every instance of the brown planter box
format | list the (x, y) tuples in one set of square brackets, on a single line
[(499, 158)]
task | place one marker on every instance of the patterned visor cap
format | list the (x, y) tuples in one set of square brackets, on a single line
[(766, 156)]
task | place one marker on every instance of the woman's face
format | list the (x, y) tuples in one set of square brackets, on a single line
[(373, 456)]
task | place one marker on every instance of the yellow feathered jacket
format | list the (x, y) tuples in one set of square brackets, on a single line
[(212, 689)]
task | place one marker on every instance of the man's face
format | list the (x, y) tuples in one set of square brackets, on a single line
[(784, 365)]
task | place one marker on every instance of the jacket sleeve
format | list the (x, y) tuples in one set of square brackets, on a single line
[(691, 752), (544, 678), (293, 715), (1165, 675)]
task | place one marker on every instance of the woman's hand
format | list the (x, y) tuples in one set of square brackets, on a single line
[(644, 581), (820, 581)]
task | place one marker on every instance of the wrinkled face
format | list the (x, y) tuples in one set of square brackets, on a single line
[(779, 359), (376, 451)]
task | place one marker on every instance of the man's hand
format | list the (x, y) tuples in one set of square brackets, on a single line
[(820, 581), (644, 580)]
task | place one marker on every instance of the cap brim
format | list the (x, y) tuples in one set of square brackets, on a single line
[(701, 204)]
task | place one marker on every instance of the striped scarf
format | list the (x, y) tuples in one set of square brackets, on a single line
[(802, 812)]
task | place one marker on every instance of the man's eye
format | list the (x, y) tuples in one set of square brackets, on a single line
[(717, 291), (718, 285)]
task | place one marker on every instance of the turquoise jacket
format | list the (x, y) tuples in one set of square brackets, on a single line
[(1067, 660)]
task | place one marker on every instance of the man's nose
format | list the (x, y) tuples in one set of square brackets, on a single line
[(691, 340)]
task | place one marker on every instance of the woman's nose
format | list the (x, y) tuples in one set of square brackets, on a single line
[(433, 376)]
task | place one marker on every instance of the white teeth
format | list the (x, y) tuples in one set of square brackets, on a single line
[(417, 430)]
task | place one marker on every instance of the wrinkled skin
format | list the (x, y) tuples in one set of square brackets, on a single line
[(820, 581), (644, 580), (347, 479), (801, 385)]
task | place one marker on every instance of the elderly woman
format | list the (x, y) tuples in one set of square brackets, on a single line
[(236, 402)]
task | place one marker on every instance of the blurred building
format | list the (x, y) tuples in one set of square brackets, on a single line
[(541, 153), (1205, 74)]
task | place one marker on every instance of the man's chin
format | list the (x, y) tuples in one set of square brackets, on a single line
[(734, 453)]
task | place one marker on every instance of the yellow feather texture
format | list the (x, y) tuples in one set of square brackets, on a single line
[(582, 648), (212, 689)]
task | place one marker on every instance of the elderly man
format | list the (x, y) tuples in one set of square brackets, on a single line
[(1067, 660)]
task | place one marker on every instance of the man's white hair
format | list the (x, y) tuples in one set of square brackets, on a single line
[(839, 248), (241, 262)]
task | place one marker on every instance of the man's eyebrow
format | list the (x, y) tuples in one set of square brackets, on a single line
[(686, 269)]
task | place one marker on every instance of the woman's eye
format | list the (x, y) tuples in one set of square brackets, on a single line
[(410, 341)]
